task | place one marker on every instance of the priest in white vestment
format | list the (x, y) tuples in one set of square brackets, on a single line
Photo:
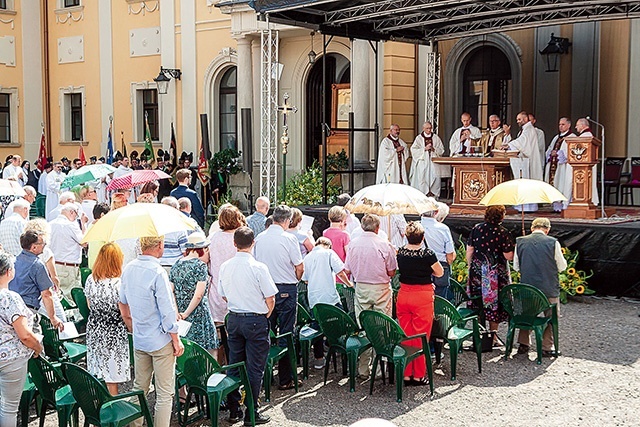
[(54, 179), (392, 158), (542, 141), (528, 163), (424, 173), (122, 170), (557, 171), (492, 138), (461, 142)]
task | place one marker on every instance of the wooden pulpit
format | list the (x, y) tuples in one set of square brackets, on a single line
[(582, 153)]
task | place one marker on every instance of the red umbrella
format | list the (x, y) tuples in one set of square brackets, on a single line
[(136, 178)]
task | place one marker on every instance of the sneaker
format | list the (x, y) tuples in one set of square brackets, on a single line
[(318, 363), (260, 419), (235, 416)]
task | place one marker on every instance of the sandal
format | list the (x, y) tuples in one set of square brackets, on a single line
[(420, 382), (290, 385)]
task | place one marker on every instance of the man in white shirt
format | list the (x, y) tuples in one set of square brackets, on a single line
[(424, 173), (249, 290), (14, 171), (65, 197), (463, 137), (54, 179), (12, 227), (280, 251), (66, 238), (392, 159)]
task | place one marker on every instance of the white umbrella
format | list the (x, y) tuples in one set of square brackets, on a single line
[(389, 199)]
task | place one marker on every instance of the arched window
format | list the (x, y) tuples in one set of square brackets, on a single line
[(487, 85), (228, 110)]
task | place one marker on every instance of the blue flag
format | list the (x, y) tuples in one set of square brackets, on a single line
[(109, 148)]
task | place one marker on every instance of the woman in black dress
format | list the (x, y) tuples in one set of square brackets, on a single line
[(489, 247)]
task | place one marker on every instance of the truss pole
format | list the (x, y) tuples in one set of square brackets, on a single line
[(432, 98), (269, 74)]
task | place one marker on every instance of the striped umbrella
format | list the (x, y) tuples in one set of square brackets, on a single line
[(135, 178)]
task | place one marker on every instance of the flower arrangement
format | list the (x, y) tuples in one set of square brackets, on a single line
[(572, 281)]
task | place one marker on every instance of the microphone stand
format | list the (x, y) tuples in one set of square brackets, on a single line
[(602, 202)]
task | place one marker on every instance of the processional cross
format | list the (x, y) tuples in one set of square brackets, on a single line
[(285, 108)]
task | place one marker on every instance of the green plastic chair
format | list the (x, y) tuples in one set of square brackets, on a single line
[(461, 300), (84, 274), (41, 205), (342, 336), (303, 295), (58, 350), (99, 407), (386, 337), (526, 305), (275, 354), (54, 391), (83, 306), (348, 299), (197, 365), (305, 341), (449, 326), (29, 392)]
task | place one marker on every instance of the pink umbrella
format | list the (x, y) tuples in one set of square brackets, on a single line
[(136, 178)]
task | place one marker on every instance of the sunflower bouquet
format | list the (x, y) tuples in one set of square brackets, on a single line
[(459, 267), (573, 281)]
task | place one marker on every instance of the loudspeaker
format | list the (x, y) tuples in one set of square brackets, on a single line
[(247, 141)]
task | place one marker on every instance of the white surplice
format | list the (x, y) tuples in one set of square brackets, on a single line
[(54, 179), (455, 145), (389, 170), (528, 163), (541, 146), (424, 173)]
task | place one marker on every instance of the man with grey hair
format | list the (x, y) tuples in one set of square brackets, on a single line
[(30, 194), (372, 263), (492, 137), (64, 198), (280, 251), (11, 227), (14, 171), (256, 220), (392, 158), (538, 257), (66, 245), (148, 309), (437, 237), (54, 180)]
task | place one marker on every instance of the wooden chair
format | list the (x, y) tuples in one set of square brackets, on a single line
[(627, 188), (612, 176)]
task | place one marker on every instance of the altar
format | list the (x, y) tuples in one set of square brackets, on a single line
[(473, 177)]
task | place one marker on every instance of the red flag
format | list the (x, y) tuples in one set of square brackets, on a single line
[(83, 160), (42, 154)]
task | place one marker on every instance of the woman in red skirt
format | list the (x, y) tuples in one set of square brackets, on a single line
[(416, 264)]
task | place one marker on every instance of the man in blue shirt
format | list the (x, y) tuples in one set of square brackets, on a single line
[(31, 280), (146, 304), (183, 176), (257, 220)]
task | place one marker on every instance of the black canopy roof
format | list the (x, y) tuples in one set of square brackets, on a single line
[(423, 21)]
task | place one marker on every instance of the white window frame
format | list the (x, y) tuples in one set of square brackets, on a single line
[(65, 114), (62, 6), (137, 112), (11, 7), (14, 103)]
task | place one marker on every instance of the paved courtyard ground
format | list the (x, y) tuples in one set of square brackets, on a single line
[(596, 382)]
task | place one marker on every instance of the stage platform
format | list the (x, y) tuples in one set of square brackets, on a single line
[(610, 247)]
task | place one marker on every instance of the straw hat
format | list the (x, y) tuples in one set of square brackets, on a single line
[(197, 240)]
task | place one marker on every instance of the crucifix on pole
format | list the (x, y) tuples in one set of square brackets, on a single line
[(285, 108)]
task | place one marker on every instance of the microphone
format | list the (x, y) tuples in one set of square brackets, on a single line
[(593, 121)]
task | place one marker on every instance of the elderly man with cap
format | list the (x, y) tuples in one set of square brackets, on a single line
[(250, 292), (66, 238), (538, 257)]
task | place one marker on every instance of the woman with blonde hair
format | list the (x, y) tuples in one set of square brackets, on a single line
[(107, 340), (304, 240), (222, 249)]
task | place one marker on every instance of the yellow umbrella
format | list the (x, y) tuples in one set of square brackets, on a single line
[(521, 192), (389, 199), (138, 220)]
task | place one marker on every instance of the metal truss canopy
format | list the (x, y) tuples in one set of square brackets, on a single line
[(425, 21)]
